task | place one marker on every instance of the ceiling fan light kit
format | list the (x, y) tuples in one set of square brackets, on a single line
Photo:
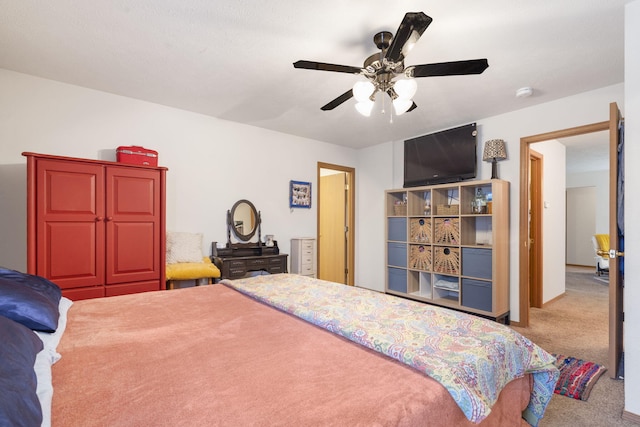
[(382, 68)]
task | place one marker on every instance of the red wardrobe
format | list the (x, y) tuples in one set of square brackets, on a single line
[(95, 228)]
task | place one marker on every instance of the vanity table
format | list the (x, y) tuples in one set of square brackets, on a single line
[(236, 260)]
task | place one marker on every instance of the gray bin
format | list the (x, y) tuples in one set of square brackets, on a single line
[(397, 254), (477, 294), (397, 280), (397, 228), (477, 263)]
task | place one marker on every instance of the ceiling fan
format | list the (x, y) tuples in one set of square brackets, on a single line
[(382, 68)]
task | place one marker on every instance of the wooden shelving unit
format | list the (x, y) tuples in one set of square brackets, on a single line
[(444, 247)]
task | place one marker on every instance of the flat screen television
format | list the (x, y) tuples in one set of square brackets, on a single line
[(441, 157)]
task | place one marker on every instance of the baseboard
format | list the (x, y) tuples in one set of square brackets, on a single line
[(554, 299), (630, 416)]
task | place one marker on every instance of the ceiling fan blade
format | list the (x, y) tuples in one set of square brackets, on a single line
[(455, 68), (411, 28), (339, 100), (413, 107), (311, 65)]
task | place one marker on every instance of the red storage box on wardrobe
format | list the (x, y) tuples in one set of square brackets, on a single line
[(136, 155)]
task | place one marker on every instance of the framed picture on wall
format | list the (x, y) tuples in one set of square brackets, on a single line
[(299, 194)]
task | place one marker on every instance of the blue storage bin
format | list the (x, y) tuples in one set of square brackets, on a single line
[(477, 294), (397, 280), (397, 228), (476, 262), (397, 254)]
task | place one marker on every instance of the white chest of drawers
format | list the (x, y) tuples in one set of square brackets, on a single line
[(303, 256)]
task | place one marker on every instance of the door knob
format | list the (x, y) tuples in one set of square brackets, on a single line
[(613, 253)]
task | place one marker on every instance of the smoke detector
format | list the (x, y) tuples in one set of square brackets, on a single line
[(524, 92)]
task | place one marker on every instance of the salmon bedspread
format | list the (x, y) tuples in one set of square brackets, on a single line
[(212, 356), (471, 357)]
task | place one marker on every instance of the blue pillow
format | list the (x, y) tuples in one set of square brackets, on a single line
[(19, 405), (30, 300)]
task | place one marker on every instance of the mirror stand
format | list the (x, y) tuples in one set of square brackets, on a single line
[(238, 260), (244, 222)]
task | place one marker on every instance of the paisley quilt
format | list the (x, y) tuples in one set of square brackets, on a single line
[(473, 358)]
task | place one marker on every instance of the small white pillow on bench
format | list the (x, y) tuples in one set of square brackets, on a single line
[(183, 247)]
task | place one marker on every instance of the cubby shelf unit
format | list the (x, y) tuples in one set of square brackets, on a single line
[(444, 248)]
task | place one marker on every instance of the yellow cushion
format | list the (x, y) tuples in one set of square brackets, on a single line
[(603, 241), (192, 270)]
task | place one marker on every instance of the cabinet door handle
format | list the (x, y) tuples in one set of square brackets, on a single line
[(109, 218), (99, 218)]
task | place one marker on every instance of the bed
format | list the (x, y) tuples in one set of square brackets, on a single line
[(289, 350)]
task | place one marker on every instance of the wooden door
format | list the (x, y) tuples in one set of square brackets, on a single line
[(535, 229), (70, 225), (132, 229), (332, 240), (616, 235)]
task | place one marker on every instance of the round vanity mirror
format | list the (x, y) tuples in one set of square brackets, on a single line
[(244, 219)]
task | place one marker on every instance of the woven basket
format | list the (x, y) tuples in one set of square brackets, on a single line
[(447, 209), (420, 230), (446, 260), (446, 231), (400, 210), (420, 257)]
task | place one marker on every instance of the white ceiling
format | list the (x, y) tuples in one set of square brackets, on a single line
[(587, 153), (233, 59)]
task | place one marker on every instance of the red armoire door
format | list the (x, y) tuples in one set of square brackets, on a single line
[(132, 230), (70, 225)]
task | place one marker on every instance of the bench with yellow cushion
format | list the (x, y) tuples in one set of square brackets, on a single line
[(191, 271)]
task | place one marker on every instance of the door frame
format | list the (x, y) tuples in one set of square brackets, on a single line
[(350, 217), (525, 153), (535, 234)]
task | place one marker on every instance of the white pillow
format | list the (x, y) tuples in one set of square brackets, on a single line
[(47, 357), (183, 247), (52, 339)]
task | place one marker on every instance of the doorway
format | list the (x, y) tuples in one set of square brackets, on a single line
[(336, 223), (613, 126), (525, 197)]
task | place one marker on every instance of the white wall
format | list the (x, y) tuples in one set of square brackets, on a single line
[(590, 193), (373, 176), (599, 180), (212, 163), (581, 226), (632, 209), (553, 217)]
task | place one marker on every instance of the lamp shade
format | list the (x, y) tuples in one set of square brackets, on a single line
[(362, 90), (365, 107), (401, 105), (494, 149), (406, 88)]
